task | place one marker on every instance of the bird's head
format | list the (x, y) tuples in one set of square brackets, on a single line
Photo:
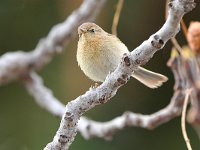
[(89, 30)]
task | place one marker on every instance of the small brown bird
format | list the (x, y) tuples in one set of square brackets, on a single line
[(100, 52)]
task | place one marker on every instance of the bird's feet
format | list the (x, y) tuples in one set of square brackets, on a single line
[(95, 86)]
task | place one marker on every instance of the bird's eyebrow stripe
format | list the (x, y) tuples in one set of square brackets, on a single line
[(91, 28)]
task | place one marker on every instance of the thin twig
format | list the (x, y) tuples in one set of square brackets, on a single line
[(173, 39), (184, 27), (176, 45), (184, 132), (116, 16), (197, 63)]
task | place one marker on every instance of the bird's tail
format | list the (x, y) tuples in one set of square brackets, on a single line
[(149, 78)]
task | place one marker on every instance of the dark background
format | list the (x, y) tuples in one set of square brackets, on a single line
[(26, 126)]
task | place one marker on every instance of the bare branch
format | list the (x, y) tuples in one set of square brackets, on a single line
[(141, 55), (184, 132), (173, 39), (116, 16), (89, 128), (21, 65), (184, 27), (42, 95)]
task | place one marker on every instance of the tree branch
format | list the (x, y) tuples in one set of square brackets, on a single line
[(21, 65), (116, 16), (183, 126), (42, 95), (89, 128), (141, 55)]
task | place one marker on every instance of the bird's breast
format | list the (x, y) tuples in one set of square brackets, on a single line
[(97, 59)]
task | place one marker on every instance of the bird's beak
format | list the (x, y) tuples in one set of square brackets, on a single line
[(81, 31)]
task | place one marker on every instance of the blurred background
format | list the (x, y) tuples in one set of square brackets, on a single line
[(26, 126)]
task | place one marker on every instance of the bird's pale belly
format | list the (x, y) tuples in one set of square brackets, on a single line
[(98, 63), (99, 67)]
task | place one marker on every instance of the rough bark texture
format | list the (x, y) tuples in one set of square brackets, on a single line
[(100, 95), (22, 65)]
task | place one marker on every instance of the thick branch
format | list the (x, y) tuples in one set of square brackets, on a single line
[(42, 95), (16, 64), (76, 108), (89, 128)]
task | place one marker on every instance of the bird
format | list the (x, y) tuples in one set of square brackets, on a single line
[(99, 53)]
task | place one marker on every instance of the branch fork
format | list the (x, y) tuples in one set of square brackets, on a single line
[(22, 65), (119, 77)]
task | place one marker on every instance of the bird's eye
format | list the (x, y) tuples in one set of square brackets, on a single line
[(92, 30)]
